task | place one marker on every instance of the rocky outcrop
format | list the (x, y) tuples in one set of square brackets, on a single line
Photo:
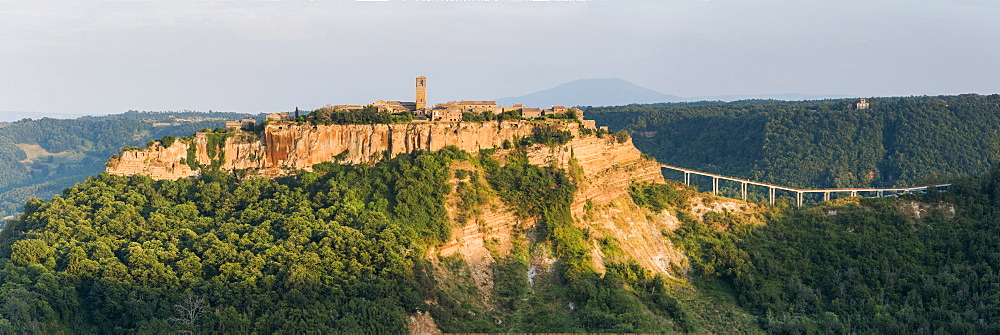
[(157, 161), (602, 167), (284, 146), (607, 167)]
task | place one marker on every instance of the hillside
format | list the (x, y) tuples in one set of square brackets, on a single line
[(921, 264), (814, 144), (537, 237), (39, 158), (560, 228)]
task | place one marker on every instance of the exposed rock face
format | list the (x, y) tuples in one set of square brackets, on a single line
[(607, 167), (602, 203), (157, 162), (287, 145), (602, 167)]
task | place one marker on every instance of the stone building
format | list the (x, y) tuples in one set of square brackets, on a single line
[(421, 102), (241, 124), (452, 110), (531, 112), (396, 106), (445, 115), (862, 104), (278, 116)]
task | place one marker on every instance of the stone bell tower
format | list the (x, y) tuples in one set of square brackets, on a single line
[(421, 92)]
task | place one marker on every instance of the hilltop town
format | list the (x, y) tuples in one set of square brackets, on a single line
[(452, 111), (351, 134)]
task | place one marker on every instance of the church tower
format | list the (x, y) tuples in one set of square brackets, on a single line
[(421, 92)]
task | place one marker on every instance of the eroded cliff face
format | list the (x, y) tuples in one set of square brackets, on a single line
[(602, 167), (156, 161), (603, 170), (284, 146)]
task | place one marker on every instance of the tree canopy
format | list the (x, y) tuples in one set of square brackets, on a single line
[(323, 251), (813, 144)]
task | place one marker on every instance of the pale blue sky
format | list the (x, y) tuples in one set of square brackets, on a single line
[(102, 57)]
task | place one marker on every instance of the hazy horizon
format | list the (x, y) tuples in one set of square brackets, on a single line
[(101, 57)]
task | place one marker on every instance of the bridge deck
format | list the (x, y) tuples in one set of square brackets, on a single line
[(799, 192)]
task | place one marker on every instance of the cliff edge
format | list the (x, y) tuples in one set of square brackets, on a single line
[(284, 146)]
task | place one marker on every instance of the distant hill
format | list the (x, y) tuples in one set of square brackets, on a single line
[(618, 92), (10, 116), (591, 92), (824, 143), (42, 156)]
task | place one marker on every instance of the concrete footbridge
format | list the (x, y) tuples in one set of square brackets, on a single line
[(799, 193)]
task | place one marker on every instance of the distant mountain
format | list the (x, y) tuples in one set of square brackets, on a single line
[(617, 92), (591, 92)]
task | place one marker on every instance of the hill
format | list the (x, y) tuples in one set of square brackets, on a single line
[(493, 240), (563, 229), (921, 264), (590, 92), (813, 144)]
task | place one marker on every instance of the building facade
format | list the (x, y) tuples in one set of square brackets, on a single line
[(452, 111)]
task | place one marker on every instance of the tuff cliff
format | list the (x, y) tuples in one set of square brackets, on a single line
[(476, 260), (486, 244), (605, 167), (288, 145)]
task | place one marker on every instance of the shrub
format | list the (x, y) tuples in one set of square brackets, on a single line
[(168, 140)]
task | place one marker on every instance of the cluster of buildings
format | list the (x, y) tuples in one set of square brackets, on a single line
[(449, 111), (452, 111)]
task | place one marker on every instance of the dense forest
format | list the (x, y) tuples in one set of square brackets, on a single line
[(344, 249), (339, 249), (896, 142), (39, 158), (918, 264)]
